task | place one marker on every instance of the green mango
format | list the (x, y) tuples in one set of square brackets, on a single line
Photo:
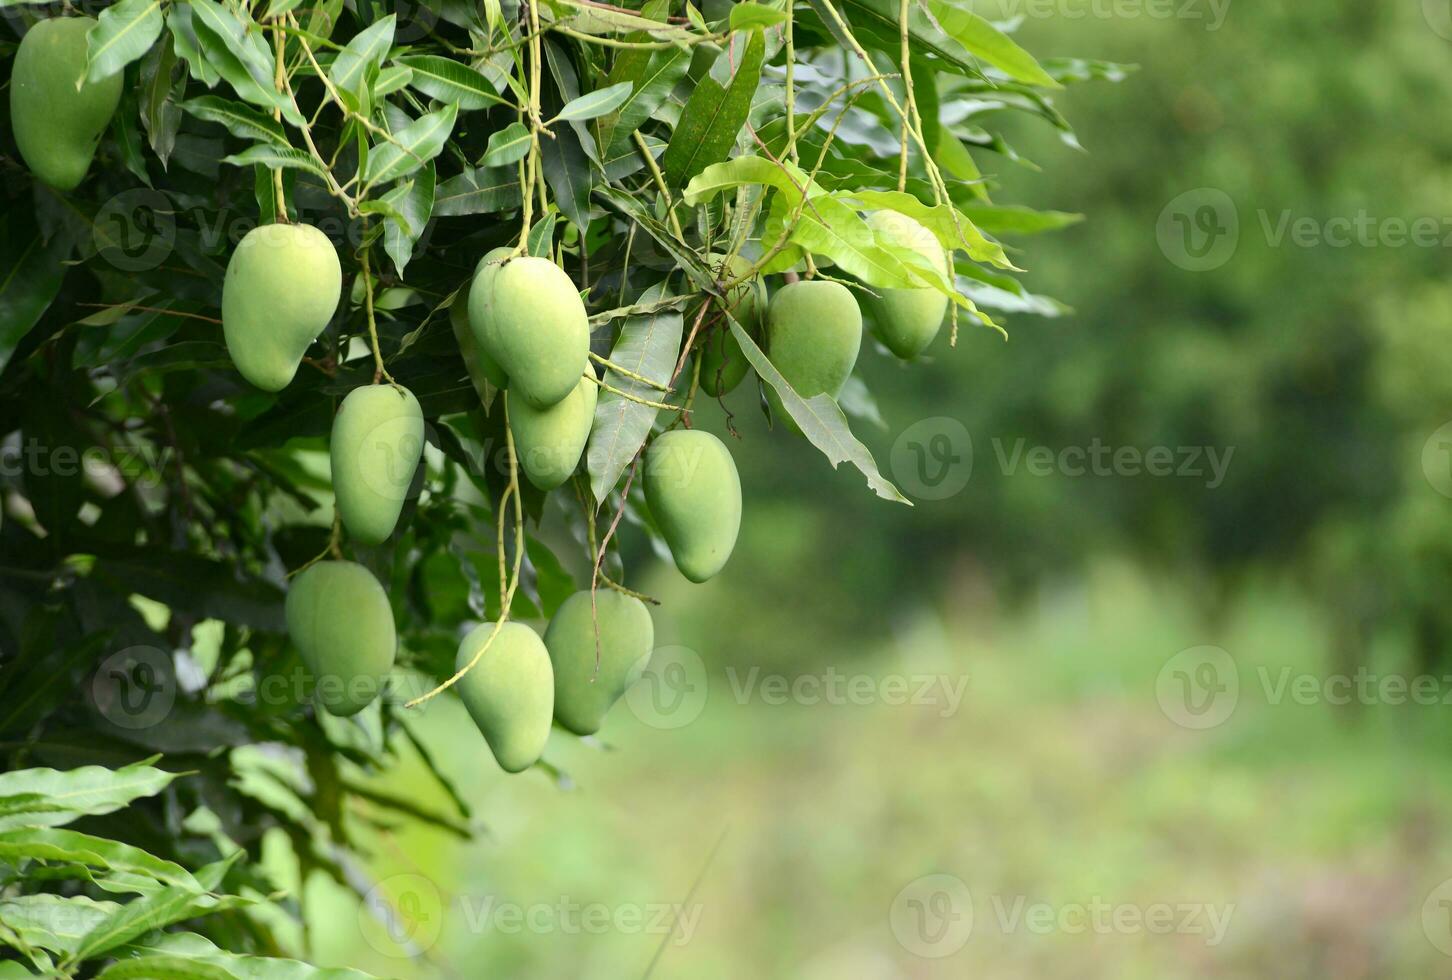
[(340, 619), (627, 636), (282, 286), (549, 441), (481, 357), (907, 320), (528, 316), (483, 372), (58, 125), (378, 438), (510, 692), (723, 365), (694, 493), (813, 334)]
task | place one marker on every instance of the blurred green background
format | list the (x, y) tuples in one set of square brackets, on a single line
[(1069, 693)]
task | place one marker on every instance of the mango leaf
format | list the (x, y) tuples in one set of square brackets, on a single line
[(31, 271), (819, 418), (68, 846), (160, 908), (123, 33), (712, 118), (600, 20), (247, 67), (239, 119), (487, 190), (648, 346), (89, 790), (1012, 219), (745, 16), (391, 79), (413, 146), (54, 923), (413, 203), (594, 104), (449, 81), (567, 171), (981, 39), (165, 968), (827, 226), (186, 44), (954, 229), (198, 949), (349, 70), (275, 157), (506, 146), (160, 114), (658, 76)]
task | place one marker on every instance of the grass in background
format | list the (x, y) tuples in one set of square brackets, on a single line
[(1058, 780)]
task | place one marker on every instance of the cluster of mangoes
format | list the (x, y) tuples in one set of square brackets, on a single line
[(522, 329)]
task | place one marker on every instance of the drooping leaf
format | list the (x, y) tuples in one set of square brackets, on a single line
[(506, 146), (275, 156), (449, 81), (820, 420), (123, 33), (52, 798), (486, 190), (240, 120), (412, 147), (713, 117), (594, 104), (648, 346)]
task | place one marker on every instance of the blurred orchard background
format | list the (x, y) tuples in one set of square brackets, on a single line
[(1150, 682)]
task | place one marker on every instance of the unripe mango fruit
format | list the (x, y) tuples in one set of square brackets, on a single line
[(694, 493), (528, 316), (723, 365), (340, 619), (813, 334), (549, 441), (510, 692), (282, 286), (484, 360), (57, 125), (378, 438), (907, 320), (627, 635), (481, 367)]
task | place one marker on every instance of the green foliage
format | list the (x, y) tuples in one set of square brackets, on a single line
[(289, 202)]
